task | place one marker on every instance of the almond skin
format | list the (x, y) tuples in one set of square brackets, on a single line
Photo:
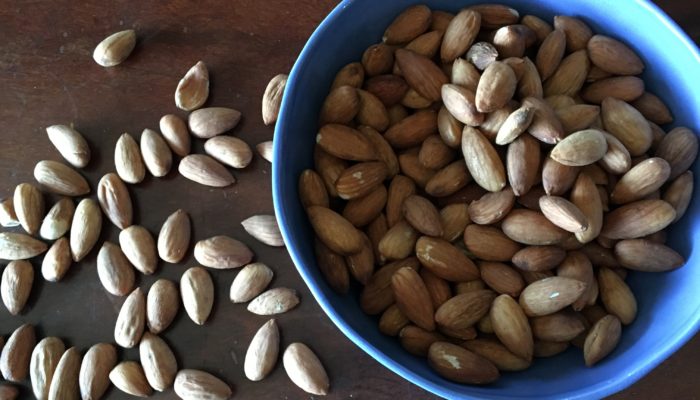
[(400, 189), (128, 160), (653, 108), (139, 247), (558, 178), (274, 301), (115, 48), (174, 237), (417, 341), (93, 380), (461, 365), (205, 170), (197, 291), (305, 369), (16, 354), (372, 112), (558, 327), (193, 89), (578, 266), (16, 285), (511, 326), (60, 179), (44, 360), (71, 144), (385, 153), (392, 321), (334, 230), (115, 200), (175, 133), (131, 320), (85, 229), (206, 123), (114, 270), (162, 305), (262, 353)]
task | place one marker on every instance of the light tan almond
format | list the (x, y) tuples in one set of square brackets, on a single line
[(128, 377), (262, 353), (305, 369), (545, 125), (516, 123), (44, 360), (222, 252), (580, 148), (174, 237), (532, 228), (522, 164), (345, 143), (197, 291), (496, 87), (115, 200), (653, 108), (614, 56), (637, 219), (626, 123), (58, 220), (412, 297), (558, 327), (482, 160), (577, 32), (539, 298), (601, 339), (61, 179), (272, 98), (175, 133), (85, 228), (8, 217), (489, 243), (577, 117), (115, 48), (250, 282), (502, 278), (511, 326), (538, 258), (114, 270), (421, 73), (16, 285), (461, 365), (680, 148), (586, 198), (158, 361), (624, 88), (265, 229), (461, 103), (128, 160), (162, 305), (465, 74), (131, 320), (550, 53), (445, 260), (70, 143), (18, 246), (205, 170), (617, 159), (155, 153), (274, 301), (193, 89), (492, 207), (206, 123), (64, 384), (563, 213), (29, 207), (460, 34), (98, 361), (679, 193), (57, 261), (139, 247), (16, 354), (530, 83), (569, 76), (334, 230)]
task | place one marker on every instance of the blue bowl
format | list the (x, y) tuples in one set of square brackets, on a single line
[(669, 307)]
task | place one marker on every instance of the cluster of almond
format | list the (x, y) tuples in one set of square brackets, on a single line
[(57, 373), (491, 205)]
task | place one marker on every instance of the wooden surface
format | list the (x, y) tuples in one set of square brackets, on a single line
[(47, 77)]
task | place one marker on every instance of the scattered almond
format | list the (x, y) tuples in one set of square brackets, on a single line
[(262, 353), (115, 48), (131, 320), (162, 305), (197, 291), (71, 144), (193, 89)]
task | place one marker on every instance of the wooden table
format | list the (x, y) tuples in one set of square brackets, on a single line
[(47, 77)]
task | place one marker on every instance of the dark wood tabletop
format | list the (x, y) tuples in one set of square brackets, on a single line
[(47, 76)]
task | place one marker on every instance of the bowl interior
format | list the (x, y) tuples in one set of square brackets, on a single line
[(669, 309)]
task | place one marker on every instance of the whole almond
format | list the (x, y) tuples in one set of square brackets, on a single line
[(408, 25), (400, 188), (57, 261), (544, 349), (679, 193), (645, 255), (58, 220), (601, 339), (206, 123), (274, 301), (375, 232), (377, 294), (71, 144), (265, 229), (624, 88), (617, 159), (578, 116), (115, 48), (580, 148), (128, 377), (250, 282), (545, 125), (454, 219), (8, 217), (558, 178), (64, 384), (532, 228), (205, 170), (272, 98), (461, 365), (85, 229), (155, 153), (511, 326), (175, 133), (158, 361), (569, 76), (392, 321), (334, 230), (489, 243), (563, 213), (193, 89), (305, 369), (197, 291), (174, 237), (653, 108), (537, 25), (222, 252), (44, 360), (516, 123), (577, 32), (616, 296), (345, 143), (361, 265), (340, 106), (93, 379), (578, 266), (162, 305), (498, 354), (614, 56), (637, 219), (496, 87), (522, 164), (417, 341), (492, 207), (538, 258), (412, 297), (16, 354), (61, 179), (530, 83), (482, 160), (626, 123), (229, 150), (461, 103), (434, 153), (382, 148), (558, 327), (421, 73), (114, 270), (464, 310), (460, 34), (538, 297), (29, 207), (352, 74), (377, 59), (680, 148), (131, 320), (389, 89), (332, 266), (16, 285), (445, 260), (449, 127), (360, 179), (586, 198), (422, 215), (312, 191), (372, 112), (138, 246), (501, 278), (550, 53), (465, 74), (18, 246), (363, 210), (115, 200), (640, 181), (128, 160), (262, 353)]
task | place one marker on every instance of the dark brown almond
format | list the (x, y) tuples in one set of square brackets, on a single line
[(312, 191), (392, 321), (461, 365), (460, 34), (345, 143), (372, 112), (417, 341), (333, 267), (412, 297), (502, 278), (426, 44), (361, 264), (400, 188), (360, 179), (489, 243), (377, 295), (363, 210), (412, 130), (352, 75), (539, 258), (445, 260), (454, 218), (412, 168), (389, 89), (408, 25), (421, 73)]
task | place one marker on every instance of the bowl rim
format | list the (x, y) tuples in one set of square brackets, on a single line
[(602, 389)]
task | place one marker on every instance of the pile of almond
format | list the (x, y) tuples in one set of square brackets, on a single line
[(67, 233), (489, 180)]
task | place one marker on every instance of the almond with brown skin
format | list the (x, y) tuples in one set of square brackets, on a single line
[(580, 148), (421, 73), (57, 261), (193, 89), (413, 129), (569, 76), (262, 353), (538, 258), (312, 191), (544, 349), (382, 148), (352, 74), (454, 219), (617, 158), (115, 200), (496, 87), (377, 59), (70, 143), (360, 179), (460, 34), (645, 255), (16, 354), (492, 207), (64, 384), (29, 207), (616, 296), (501, 278), (399, 241), (139, 247), (680, 149), (653, 108), (128, 377), (61, 179), (601, 339), (376, 231), (155, 153), (537, 25), (400, 188), (18, 246), (550, 53), (538, 297), (558, 327), (412, 297), (128, 160), (334, 231), (640, 181), (577, 117), (93, 379), (114, 270), (461, 103), (626, 123), (197, 291), (586, 198), (498, 354), (545, 125), (8, 217), (305, 369), (85, 228), (426, 44), (377, 294), (464, 310), (522, 164), (614, 56), (206, 123), (222, 252), (345, 143), (205, 170), (434, 153), (489, 243), (577, 266), (363, 210), (511, 326), (679, 193), (131, 320), (162, 305), (637, 219), (372, 112), (558, 178), (624, 88), (341, 106), (175, 133), (417, 341), (412, 168), (413, 100), (422, 215), (16, 285), (44, 360), (361, 265), (482, 160), (577, 32), (445, 260), (563, 214), (532, 228), (392, 321), (389, 89), (461, 365)]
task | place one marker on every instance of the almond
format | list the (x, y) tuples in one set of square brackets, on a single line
[(377, 59), (206, 123), (8, 217), (481, 54), (624, 88), (538, 258), (617, 159), (262, 353), (57, 261), (272, 99), (532, 228), (312, 191), (93, 380), (131, 320), (653, 108), (461, 365), (363, 210), (412, 297), (464, 310), (445, 260), (361, 265), (265, 229), (345, 143), (115, 48), (162, 305), (422, 215), (454, 219), (377, 294), (408, 25), (128, 160), (138, 246), (16, 354), (193, 89), (400, 188), (577, 32), (522, 164), (114, 270), (334, 230), (626, 123), (128, 377), (550, 53), (545, 125), (274, 301), (412, 168), (563, 214), (392, 321), (580, 148), (305, 369), (197, 291), (501, 278), (417, 341), (482, 160), (421, 73), (352, 74), (205, 170), (58, 220), (461, 103), (558, 178), (510, 41), (64, 384), (332, 266), (174, 237), (530, 83), (265, 150), (577, 266), (516, 123), (175, 133), (680, 148), (496, 87), (614, 56), (616, 296), (372, 112), (586, 198), (16, 285), (222, 252), (489, 243), (645, 255), (498, 354), (60, 179), (382, 149), (434, 153), (545, 349), (71, 144), (85, 229), (29, 207), (537, 25), (398, 242), (640, 181), (578, 117), (570, 75), (194, 384), (511, 326), (155, 153), (601, 339), (341, 105), (158, 361), (389, 89), (18, 246), (412, 130), (538, 298), (637, 219), (679, 193), (492, 207), (44, 360), (115, 200), (464, 74), (460, 34), (376, 231)]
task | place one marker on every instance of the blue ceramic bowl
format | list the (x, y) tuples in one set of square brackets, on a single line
[(669, 307)]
